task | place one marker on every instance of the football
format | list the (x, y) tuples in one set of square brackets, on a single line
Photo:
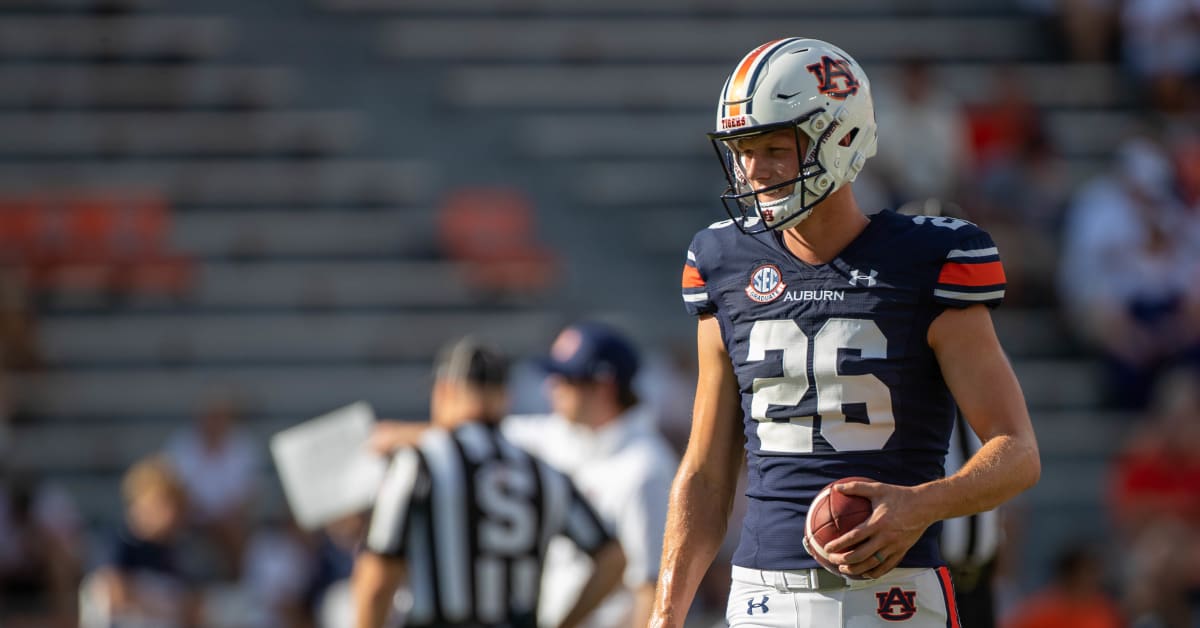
[(831, 515)]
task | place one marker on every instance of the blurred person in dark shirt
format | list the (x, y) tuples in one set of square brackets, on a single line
[(1129, 273), (141, 581)]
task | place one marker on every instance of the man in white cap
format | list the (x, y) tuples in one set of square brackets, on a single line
[(609, 445)]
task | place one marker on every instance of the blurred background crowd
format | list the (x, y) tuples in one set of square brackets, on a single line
[(219, 219)]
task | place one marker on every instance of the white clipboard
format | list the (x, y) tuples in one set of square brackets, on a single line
[(326, 467)]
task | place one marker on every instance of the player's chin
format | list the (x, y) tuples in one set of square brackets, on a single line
[(774, 196)]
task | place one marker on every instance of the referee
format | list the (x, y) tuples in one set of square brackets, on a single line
[(463, 518)]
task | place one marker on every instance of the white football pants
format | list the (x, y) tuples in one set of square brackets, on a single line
[(903, 598)]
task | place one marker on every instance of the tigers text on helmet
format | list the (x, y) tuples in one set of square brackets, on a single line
[(820, 93)]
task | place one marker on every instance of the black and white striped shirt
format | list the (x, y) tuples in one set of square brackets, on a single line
[(471, 515)]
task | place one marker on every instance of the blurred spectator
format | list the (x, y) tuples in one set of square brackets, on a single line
[(1161, 47), (1020, 185), (1129, 272), (1005, 122), (279, 566), (141, 581), (606, 440), (1026, 189), (922, 138), (40, 552), (218, 464), (1074, 598), (1155, 496)]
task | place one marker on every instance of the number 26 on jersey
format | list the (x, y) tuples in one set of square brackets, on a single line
[(834, 390)]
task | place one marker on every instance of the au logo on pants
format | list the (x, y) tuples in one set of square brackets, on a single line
[(897, 604)]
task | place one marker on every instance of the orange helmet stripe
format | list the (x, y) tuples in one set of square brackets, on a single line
[(737, 86)]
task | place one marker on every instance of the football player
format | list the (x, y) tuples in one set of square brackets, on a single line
[(833, 344)]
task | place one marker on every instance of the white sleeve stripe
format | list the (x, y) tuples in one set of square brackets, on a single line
[(391, 506), (969, 296), (959, 253), (451, 534), (696, 298), (691, 257)]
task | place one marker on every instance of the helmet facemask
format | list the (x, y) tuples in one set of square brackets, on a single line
[(748, 207)]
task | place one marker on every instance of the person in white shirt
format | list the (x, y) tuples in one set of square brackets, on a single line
[(218, 461), (609, 444)]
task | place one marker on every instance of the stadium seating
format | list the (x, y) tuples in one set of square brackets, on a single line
[(305, 161)]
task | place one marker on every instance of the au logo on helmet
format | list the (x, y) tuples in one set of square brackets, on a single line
[(828, 71)]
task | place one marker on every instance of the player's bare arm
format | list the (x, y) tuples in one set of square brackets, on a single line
[(983, 383), (703, 491), (374, 581)]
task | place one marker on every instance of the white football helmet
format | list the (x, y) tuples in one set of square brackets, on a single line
[(815, 89)]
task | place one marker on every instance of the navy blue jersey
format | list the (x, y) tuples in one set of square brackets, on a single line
[(835, 373)]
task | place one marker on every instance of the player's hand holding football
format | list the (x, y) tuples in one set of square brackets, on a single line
[(877, 545)]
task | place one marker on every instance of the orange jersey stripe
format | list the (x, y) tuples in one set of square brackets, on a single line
[(737, 87), (948, 588), (986, 274), (692, 278)]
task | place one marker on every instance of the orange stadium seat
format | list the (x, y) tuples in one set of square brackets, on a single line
[(100, 242), (492, 231), (20, 230)]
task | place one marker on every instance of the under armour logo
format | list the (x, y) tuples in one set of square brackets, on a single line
[(868, 279), (750, 605), (896, 604)]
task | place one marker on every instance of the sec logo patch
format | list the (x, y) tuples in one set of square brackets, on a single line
[(766, 284)]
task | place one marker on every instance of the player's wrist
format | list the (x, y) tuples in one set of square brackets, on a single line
[(930, 502)]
